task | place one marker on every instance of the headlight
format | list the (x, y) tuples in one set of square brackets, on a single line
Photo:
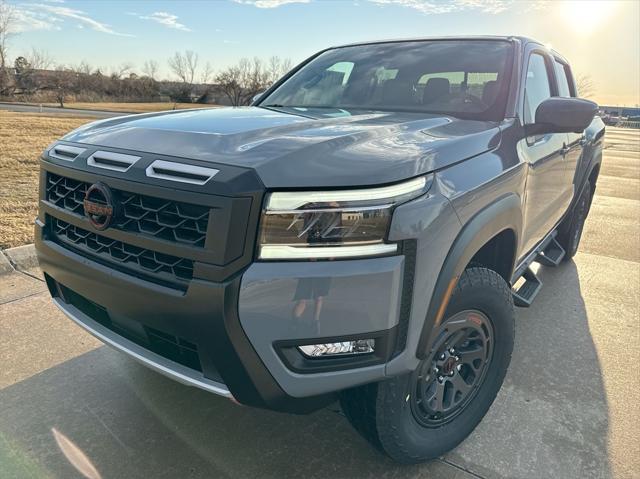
[(333, 224)]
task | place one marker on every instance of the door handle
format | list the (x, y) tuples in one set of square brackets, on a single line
[(583, 141), (565, 149)]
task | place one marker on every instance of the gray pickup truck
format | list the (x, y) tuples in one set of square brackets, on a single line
[(362, 232)]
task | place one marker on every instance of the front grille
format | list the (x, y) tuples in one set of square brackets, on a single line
[(173, 221), (132, 259)]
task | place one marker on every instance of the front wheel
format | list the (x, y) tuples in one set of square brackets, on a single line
[(422, 415)]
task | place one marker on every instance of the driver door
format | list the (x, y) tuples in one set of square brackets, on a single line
[(545, 196)]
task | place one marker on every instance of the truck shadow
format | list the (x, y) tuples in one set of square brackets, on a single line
[(551, 418), (103, 415)]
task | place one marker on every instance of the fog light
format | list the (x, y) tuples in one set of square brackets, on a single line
[(359, 346)]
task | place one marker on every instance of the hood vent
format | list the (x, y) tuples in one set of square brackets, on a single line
[(65, 152), (112, 161), (167, 170)]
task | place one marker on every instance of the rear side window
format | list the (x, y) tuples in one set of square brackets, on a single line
[(537, 87), (563, 81)]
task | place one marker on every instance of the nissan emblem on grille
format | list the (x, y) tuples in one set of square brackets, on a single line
[(98, 206)]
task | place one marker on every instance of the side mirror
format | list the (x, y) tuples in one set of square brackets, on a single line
[(562, 115), (256, 97)]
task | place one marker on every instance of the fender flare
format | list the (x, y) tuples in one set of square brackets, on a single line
[(503, 214)]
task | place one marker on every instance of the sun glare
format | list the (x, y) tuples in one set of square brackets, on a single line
[(586, 16)]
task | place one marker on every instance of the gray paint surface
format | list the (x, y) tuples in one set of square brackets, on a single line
[(282, 301), (293, 149)]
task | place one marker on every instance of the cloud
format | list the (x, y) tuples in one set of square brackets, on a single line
[(423, 6), (169, 20), (28, 20), (269, 3), (41, 16), (451, 6)]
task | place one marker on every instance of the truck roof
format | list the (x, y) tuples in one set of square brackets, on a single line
[(523, 40), (452, 37)]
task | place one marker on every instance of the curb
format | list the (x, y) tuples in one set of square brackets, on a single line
[(5, 264), (20, 258)]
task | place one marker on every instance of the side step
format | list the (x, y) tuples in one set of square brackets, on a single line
[(551, 255), (526, 290)]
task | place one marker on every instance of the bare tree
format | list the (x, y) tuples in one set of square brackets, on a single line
[(586, 86), (207, 74), (276, 68), (63, 83), (242, 81), (83, 68), (40, 59), (151, 68), (122, 70), (229, 82), (7, 21), (185, 66)]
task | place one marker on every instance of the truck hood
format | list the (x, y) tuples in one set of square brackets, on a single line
[(301, 147)]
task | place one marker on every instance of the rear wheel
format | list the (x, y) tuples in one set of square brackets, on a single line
[(571, 232), (420, 416)]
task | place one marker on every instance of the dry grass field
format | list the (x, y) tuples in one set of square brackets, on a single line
[(23, 136), (132, 107)]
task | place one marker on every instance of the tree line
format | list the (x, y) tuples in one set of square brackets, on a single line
[(35, 76)]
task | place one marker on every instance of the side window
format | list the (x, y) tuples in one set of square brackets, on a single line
[(536, 88), (563, 82)]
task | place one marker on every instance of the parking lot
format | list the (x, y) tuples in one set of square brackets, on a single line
[(570, 406)]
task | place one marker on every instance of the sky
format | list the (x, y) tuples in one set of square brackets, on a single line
[(599, 38)]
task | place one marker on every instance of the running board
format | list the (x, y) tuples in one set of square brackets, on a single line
[(551, 255), (526, 285), (527, 290)]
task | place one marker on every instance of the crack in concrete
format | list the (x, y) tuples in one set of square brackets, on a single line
[(460, 468), (23, 297)]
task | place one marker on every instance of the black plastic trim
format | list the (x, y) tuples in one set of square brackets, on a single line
[(504, 213), (409, 249)]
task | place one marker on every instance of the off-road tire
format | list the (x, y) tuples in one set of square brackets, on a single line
[(381, 412), (570, 232)]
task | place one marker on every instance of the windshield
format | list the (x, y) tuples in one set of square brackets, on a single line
[(463, 78)]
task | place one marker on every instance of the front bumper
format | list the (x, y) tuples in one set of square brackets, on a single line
[(171, 369), (239, 328)]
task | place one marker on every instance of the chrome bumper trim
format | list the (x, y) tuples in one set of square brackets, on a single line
[(164, 366)]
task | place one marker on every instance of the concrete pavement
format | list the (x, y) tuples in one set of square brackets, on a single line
[(569, 408)]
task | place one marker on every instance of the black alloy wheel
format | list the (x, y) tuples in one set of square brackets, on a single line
[(445, 382)]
